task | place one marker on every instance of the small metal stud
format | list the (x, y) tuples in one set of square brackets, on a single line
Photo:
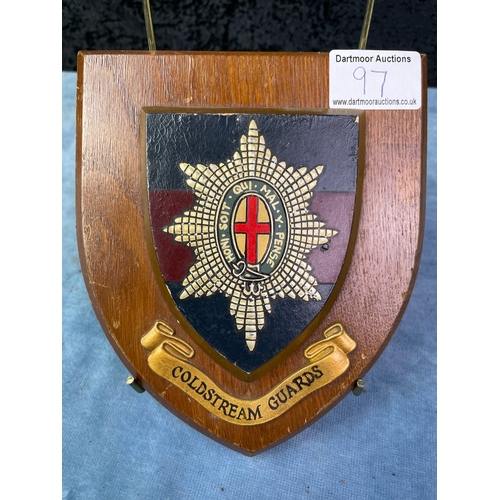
[(358, 388), (132, 382)]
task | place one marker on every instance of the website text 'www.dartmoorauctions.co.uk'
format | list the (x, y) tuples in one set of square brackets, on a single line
[(373, 102)]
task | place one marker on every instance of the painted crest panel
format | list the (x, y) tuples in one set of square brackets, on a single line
[(251, 218)]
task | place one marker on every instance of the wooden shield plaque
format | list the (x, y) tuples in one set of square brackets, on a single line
[(248, 251)]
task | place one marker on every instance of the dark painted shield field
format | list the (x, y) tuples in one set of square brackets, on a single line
[(211, 138)]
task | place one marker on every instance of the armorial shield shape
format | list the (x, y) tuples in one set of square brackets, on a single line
[(251, 217), (249, 252)]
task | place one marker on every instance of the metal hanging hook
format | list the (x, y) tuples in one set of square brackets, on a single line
[(362, 39), (149, 25), (366, 24)]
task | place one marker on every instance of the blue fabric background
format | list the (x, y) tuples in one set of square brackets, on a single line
[(118, 444)]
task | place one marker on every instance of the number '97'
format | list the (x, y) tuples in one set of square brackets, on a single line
[(360, 74)]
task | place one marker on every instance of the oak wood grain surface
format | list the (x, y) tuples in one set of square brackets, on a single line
[(112, 89)]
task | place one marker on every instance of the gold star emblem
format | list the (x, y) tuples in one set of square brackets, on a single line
[(251, 230)]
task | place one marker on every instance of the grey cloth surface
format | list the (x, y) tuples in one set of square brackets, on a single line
[(118, 444)]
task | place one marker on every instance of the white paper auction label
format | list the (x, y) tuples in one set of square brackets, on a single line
[(375, 79)]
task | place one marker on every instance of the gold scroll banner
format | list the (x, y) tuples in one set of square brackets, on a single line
[(169, 357)]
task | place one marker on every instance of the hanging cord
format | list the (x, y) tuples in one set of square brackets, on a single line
[(149, 25), (366, 24)]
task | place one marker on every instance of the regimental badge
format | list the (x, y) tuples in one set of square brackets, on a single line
[(248, 251), (258, 209)]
